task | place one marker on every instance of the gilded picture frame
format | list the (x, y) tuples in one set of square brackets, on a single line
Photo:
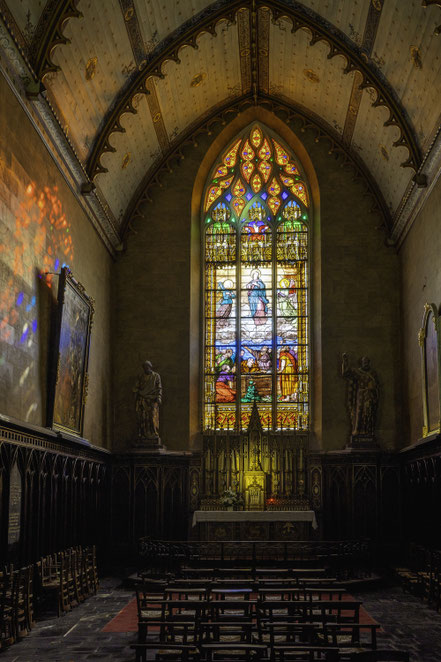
[(429, 338), (69, 381)]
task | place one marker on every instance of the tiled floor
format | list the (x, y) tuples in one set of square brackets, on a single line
[(78, 636)]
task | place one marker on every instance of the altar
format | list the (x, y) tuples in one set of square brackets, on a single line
[(253, 524)]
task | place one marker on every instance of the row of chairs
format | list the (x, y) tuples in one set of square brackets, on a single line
[(16, 604), (224, 621), (68, 577), (421, 574)]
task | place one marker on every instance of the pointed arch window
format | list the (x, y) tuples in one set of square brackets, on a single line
[(256, 279)]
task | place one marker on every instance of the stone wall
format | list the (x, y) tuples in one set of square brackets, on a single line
[(43, 227), (355, 301), (421, 284)]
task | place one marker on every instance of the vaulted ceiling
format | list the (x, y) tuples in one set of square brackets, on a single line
[(128, 79)]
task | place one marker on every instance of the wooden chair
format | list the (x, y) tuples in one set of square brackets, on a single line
[(233, 652), (64, 588), (229, 631), (231, 610), (91, 569), (197, 573), (20, 588), (70, 562), (180, 652), (29, 598), (234, 573), (320, 611), (282, 632), (49, 576), (7, 637), (346, 635), (230, 593), (316, 582), (150, 607), (81, 575), (304, 653), (183, 593), (165, 633)]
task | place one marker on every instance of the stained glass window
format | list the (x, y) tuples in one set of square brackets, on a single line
[(256, 220)]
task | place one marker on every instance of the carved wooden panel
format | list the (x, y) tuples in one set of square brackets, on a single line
[(58, 500)]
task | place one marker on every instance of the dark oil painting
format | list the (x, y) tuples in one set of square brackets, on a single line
[(75, 310)]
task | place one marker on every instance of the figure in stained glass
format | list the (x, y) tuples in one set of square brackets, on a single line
[(225, 391), (225, 370), (257, 298), (262, 358), (249, 365), (288, 296), (226, 303), (288, 377), (224, 358)]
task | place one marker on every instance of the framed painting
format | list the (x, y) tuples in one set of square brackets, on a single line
[(71, 354), (430, 342)]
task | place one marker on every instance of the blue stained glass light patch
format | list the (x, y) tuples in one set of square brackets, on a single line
[(264, 195), (249, 196), (284, 195), (228, 197)]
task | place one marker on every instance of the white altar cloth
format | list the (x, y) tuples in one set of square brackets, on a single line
[(255, 516)]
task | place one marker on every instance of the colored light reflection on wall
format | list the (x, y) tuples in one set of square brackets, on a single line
[(42, 242)]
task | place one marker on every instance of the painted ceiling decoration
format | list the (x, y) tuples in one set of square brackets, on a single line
[(187, 36), (124, 76)]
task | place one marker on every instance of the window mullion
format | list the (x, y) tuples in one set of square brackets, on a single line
[(238, 326), (274, 324)]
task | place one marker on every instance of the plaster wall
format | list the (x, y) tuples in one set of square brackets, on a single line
[(355, 306), (43, 227), (421, 284)]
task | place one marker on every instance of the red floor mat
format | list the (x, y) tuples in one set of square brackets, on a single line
[(125, 621)]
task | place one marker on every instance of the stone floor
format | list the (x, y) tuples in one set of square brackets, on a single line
[(406, 621), (77, 636)]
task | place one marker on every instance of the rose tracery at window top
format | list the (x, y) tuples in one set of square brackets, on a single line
[(256, 287)]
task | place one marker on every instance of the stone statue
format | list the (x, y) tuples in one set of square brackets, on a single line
[(363, 392), (148, 397)]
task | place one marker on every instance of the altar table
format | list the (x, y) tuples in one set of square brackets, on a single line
[(254, 516)]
